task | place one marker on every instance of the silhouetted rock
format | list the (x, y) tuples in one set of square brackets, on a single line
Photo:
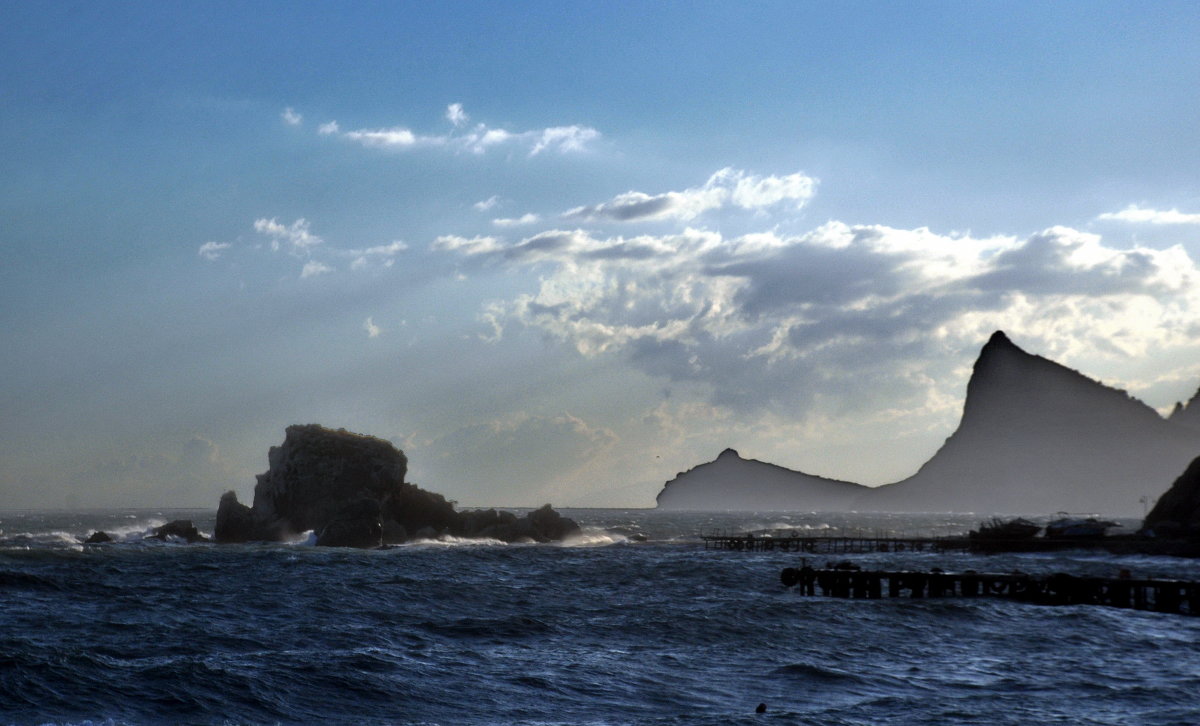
[(1177, 512), (350, 489), (1035, 437), (181, 528), (733, 483), (100, 537), (359, 524), (550, 526)]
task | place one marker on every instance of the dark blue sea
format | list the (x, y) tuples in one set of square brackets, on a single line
[(635, 623)]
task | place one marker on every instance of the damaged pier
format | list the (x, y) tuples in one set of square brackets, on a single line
[(1164, 596)]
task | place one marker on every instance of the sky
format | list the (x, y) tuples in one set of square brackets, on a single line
[(559, 252)]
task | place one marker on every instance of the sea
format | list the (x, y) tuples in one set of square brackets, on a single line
[(634, 622)]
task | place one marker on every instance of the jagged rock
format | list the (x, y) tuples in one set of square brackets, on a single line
[(550, 526), (350, 489), (237, 523), (181, 528), (100, 537), (1037, 437), (1177, 512), (359, 524)]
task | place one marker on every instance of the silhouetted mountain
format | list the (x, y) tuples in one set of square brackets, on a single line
[(732, 483), (1035, 437), (1038, 437), (1187, 414), (1178, 511)]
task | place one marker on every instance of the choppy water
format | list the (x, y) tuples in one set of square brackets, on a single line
[(606, 631)]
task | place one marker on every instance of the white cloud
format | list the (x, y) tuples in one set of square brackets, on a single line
[(372, 329), (386, 253), (842, 313), (487, 204), (470, 247), (727, 187), (563, 138), (290, 117), (296, 234), (456, 115), (313, 268), (1136, 214), (393, 138), (328, 128), (213, 250), (524, 219), (477, 140)]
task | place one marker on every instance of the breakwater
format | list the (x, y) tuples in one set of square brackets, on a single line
[(1159, 595)]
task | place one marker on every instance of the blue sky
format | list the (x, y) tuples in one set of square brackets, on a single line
[(561, 251)]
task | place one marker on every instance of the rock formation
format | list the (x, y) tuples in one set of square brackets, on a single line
[(349, 489), (180, 528), (1177, 512), (733, 483), (1035, 437)]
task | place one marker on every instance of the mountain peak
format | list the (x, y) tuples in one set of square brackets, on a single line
[(729, 453)]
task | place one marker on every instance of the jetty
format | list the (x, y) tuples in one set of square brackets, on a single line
[(828, 545), (1163, 596)]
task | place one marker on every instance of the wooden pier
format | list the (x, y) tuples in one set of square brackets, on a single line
[(833, 545), (1164, 596)]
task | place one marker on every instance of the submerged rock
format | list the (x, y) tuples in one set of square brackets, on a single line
[(349, 488)]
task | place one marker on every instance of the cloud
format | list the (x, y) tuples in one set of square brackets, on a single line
[(456, 115), (1136, 214), (327, 129), (727, 187), (840, 315), (296, 234), (477, 140), (385, 253), (290, 117), (486, 204), (469, 247), (524, 219), (372, 329), (212, 250), (312, 268)]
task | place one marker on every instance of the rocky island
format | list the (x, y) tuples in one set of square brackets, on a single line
[(350, 490)]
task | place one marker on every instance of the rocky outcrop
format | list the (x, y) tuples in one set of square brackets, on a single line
[(1035, 437), (180, 529), (1177, 512), (99, 537), (350, 490), (359, 524), (731, 483)]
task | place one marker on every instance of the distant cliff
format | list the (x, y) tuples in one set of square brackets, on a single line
[(1177, 513), (349, 489), (1035, 437), (733, 483)]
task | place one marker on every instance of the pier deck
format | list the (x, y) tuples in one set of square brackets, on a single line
[(1165, 596)]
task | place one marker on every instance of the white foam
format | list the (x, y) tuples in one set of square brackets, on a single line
[(594, 537)]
